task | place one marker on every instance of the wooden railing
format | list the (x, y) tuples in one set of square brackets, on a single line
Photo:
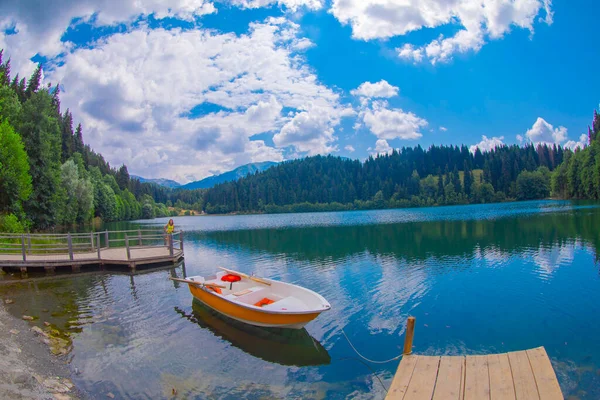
[(94, 242)]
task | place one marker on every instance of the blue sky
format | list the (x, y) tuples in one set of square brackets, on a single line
[(185, 89)]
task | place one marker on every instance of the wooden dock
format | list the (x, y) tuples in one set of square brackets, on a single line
[(47, 252), (517, 375)]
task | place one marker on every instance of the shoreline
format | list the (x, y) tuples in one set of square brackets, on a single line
[(28, 370)]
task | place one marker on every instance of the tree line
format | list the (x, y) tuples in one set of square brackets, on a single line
[(409, 177)]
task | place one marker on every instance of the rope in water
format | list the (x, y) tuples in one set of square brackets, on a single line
[(367, 359)]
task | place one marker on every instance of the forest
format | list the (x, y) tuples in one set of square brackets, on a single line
[(50, 178)]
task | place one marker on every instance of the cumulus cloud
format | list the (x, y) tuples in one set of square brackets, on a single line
[(311, 131), (443, 129), (487, 144), (581, 143), (543, 132), (381, 89), (134, 91), (479, 20), (392, 123), (382, 147), (350, 148), (39, 27)]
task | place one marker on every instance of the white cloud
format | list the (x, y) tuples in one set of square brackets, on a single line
[(479, 19), (311, 131), (392, 123), (487, 144), (382, 147), (443, 129), (40, 26), (133, 90), (583, 141), (381, 89), (543, 132), (350, 148), (520, 139), (291, 4)]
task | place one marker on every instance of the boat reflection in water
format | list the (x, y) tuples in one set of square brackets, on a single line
[(293, 347)]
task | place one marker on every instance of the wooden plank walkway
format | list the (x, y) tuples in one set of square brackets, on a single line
[(526, 375), (113, 256)]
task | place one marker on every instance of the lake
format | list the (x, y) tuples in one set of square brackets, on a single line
[(479, 279)]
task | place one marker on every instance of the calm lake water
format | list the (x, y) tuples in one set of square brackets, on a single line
[(479, 279)]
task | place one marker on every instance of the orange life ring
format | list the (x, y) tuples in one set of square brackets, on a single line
[(231, 278)]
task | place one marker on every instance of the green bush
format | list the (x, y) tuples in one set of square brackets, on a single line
[(10, 223)]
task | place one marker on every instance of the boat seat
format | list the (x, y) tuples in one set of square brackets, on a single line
[(249, 294), (289, 303)]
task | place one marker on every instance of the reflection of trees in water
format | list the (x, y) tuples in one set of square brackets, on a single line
[(421, 240)]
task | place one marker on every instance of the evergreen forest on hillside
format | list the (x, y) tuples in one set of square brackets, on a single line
[(50, 178)]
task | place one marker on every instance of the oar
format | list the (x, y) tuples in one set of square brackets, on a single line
[(246, 276), (197, 283)]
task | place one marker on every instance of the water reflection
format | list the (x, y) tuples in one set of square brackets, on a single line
[(281, 346)]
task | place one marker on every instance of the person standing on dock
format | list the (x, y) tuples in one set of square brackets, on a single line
[(169, 229)]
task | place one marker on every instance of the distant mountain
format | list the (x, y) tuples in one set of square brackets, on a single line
[(162, 182), (234, 175)]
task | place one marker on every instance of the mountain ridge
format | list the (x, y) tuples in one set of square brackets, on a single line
[(233, 175)]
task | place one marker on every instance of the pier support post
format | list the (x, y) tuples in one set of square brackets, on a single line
[(127, 247), (49, 269), (410, 334), (23, 271), (75, 268), (70, 244), (23, 248), (98, 247)]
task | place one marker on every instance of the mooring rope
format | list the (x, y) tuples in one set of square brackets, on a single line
[(367, 359)]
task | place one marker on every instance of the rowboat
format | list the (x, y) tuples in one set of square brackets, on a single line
[(257, 301)]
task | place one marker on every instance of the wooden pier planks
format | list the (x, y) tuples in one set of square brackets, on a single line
[(509, 376)]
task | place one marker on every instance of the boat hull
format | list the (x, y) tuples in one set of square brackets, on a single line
[(250, 316)]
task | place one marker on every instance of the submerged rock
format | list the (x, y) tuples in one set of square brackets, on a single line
[(9, 301), (27, 318)]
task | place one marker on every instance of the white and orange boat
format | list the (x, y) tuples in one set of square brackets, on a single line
[(257, 301)]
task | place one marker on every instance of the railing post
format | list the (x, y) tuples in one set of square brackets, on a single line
[(92, 240), (181, 240), (170, 236), (106, 239), (408, 338), (23, 248), (70, 244), (139, 237), (29, 243), (127, 247), (98, 247)]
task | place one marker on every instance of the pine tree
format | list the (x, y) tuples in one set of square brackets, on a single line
[(78, 146), (4, 71), (122, 177), (468, 179), (34, 82), (66, 130)]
